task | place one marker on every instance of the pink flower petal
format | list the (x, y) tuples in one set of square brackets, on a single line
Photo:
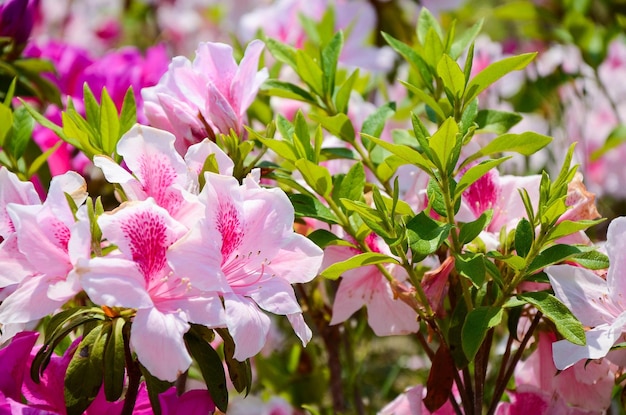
[(247, 325)]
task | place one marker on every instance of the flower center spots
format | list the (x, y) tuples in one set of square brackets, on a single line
[(148, 243), (61, 234), (230, 226), (157, 174), (483, 193)]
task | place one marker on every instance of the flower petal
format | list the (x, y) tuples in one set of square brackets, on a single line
[(584, 293), (247, 325), (616, 250), (157, 339)]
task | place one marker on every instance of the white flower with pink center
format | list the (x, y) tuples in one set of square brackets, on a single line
[(38, 258), (246, 251), (138, 276)]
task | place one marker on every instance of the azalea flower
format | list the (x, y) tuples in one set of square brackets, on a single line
[(245, 250), (138, 276), (210, 95), (366, 286), (596, 302), (158, 171), (47, 242)]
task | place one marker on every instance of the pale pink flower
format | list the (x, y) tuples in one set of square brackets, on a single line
[(586, 385), (49, 242), (366, 286), (210, 95), (158, 171), (596, 302), (410, 402), (532, 400), (138, 276), (245, 249)]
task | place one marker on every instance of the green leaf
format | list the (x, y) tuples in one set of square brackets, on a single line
[(338, 125), (425, 235), (311, 207), (524, 237), (109, 123), (36, 164), (412, 57), (21, 132), (373, 218), (282, 89), (494, 72), (114, 361), (83, 377), (443, 142), (316, 176), (92, 109), (494, 121), (282, 52), (452, 76), (282, 148), (469, 231), (324, 238), (342, 97), (405, 153), (211, 367), (361, 260), (6, 121), (553, 255), (128, 114), (240, 373), (476, 172), (302, 138), (353, 184), (426, 99), (310, 72), (568, 227), (555, 311), (526, 144), (477, 323), (375, 122), (593, 260), (425, 22), (330, 57), (459, 45), (471, 266)]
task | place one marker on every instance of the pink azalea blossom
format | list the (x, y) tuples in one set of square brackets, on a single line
[(584, 386), (49, 242), (138, 276), (210, 95), (596, 302), (366, 286), (410, 403), (245, 249), (158, 171)]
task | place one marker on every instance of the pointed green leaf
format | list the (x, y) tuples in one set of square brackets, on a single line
[(559, 314), (361, 260), (524, 236), (425, 22), (475, 328), (476, 172), (494, 121), (21, 133), (470, 230), (342, 97), (109, 123), (412, 57), (330, 57), (240, 373), (310, 72), (316, 176), (6, 122), (425, 235), (311, 207), (353, 183), (472, 267), (526, 144), (282, 52), (155, 387), (453, 78), (426, 99), (282, 89), (444, 140), (338, 125), (128, 114), (114, 361), (494, 72), (211, 367)]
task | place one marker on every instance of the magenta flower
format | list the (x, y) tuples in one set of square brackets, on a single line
[(245, 250), (16, 20), (138, 276), (596, 302), (210, 95)]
